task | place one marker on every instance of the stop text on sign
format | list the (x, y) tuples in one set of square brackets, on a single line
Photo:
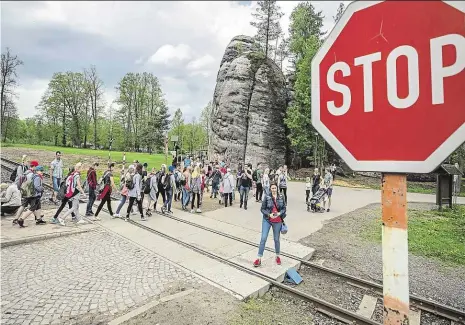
[(438, 73)]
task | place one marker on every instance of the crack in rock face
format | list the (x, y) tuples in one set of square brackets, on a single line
[(249, 106)]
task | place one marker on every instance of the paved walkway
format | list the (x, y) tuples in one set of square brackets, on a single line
[(86, 278), (302, 223), (13, 235)]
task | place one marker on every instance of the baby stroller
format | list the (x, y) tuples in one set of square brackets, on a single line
[(315, 201)]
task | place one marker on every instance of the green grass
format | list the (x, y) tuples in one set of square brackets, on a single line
[(433, 234), (419, 189)]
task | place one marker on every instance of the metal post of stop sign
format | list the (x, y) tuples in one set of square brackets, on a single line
[(395, 248)]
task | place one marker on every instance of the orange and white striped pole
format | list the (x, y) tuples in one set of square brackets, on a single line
[(395, 249)]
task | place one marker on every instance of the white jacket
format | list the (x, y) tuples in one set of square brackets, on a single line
[(12, 196), (228, 183)]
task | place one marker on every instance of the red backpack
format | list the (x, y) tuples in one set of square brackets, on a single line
[(71, 185)]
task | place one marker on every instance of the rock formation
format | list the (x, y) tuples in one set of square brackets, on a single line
[(249, 106)]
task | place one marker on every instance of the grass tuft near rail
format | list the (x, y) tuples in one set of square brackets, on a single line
[(432, 233)]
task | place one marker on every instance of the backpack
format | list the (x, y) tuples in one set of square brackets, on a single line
[(27, 188), (15, 173), (167, 182), (129, 182), (254, 175), (147, 187), (196, 185), (70, 185), (160, 178), (62, 191), (101, 182), (182, 179)]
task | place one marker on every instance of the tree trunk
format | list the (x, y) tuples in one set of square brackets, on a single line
[(64, 127), (267, 31)]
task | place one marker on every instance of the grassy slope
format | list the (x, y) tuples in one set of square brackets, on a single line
[(117, 156), (439, 235), (154, 160)]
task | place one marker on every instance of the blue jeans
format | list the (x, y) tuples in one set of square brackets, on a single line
[(91, 201), (215, 188), (121, 203), (56, 183), (185, 197), (169, 198), (244, 191), (266, 225)]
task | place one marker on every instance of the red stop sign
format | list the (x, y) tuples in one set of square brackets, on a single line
[(388, 85)]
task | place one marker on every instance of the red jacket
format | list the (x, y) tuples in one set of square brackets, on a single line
[(92, 178)]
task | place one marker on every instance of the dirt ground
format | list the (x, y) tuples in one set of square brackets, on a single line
[(46, 157), (210, 305)]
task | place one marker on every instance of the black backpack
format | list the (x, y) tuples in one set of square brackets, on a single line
[(130, 182), (147, 187), (167, 183), (254, 176), (15, 173), (62, 191)]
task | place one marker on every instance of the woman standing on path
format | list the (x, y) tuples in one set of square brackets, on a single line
[(266, 182), (273, 211), (153, 191), (135, 193), (105, 195), (186, 188), (282, 181), (228, 187), (196, 188)]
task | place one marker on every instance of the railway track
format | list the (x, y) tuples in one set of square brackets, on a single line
[(333, 311)]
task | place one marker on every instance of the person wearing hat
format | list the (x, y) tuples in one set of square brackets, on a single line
[(11, 200), (35, 175)]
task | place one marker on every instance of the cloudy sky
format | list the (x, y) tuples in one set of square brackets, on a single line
[(181, 42)]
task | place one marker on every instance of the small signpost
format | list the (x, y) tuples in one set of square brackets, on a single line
[(388, 94)]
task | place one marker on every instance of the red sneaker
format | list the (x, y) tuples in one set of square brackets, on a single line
[(278, 260), (257, 262)]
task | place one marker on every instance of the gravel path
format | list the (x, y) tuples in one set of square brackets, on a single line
[(341, 247)]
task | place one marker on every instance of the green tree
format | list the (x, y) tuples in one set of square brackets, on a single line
[(267, 16), (298, 118), (305, 23), (205, 121), (177, 127), (9, 76), (94, 88)]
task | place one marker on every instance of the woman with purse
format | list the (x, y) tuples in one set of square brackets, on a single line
[(273, 211)]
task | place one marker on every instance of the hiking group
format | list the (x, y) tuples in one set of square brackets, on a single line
[(185, 181)]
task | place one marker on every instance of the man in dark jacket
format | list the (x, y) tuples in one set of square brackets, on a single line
[(92, 183)]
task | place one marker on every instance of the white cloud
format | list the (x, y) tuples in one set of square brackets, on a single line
[(168, 53), (29, 93), (175, 40), (201, 62)]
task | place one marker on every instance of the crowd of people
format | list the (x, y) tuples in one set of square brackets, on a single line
[(185, 181)]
